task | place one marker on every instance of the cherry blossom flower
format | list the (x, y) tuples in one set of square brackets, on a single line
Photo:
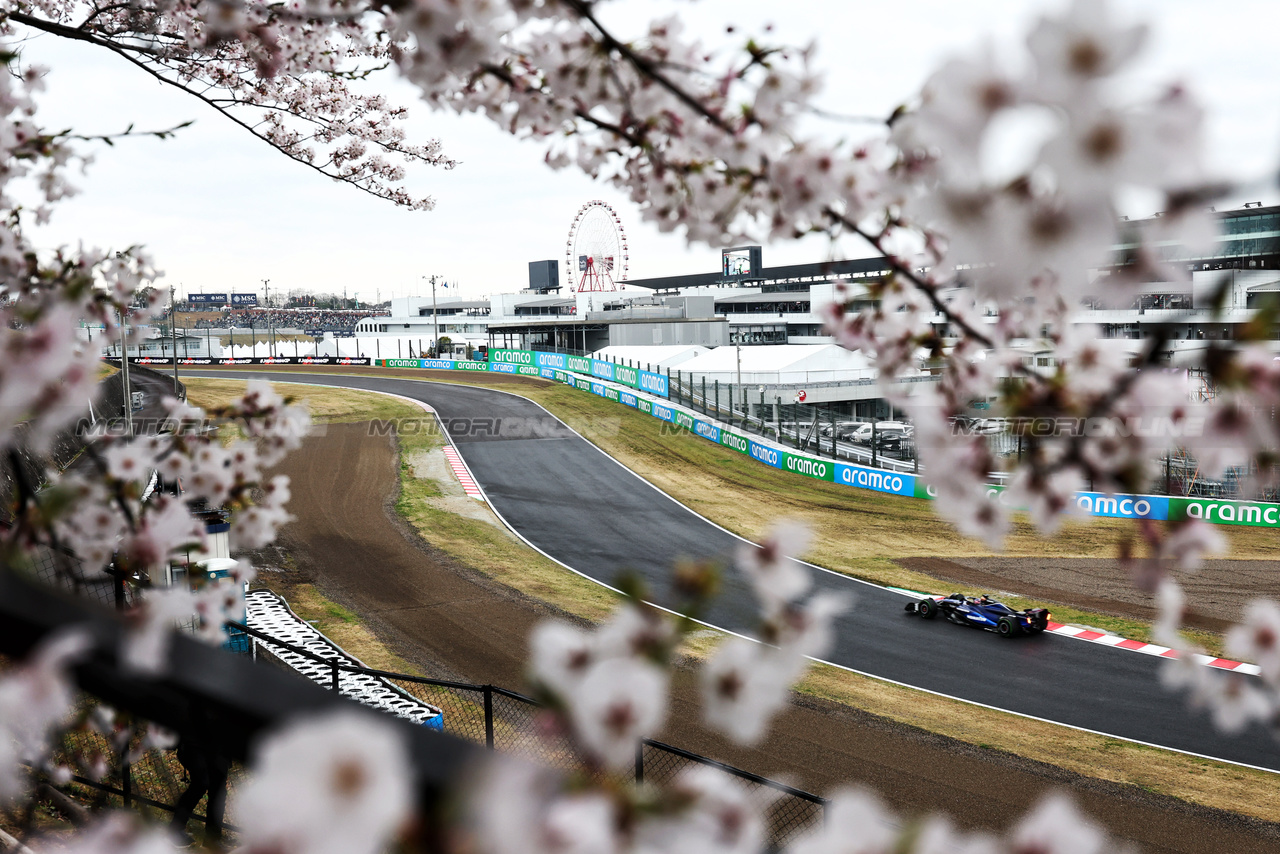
[(559, 656), (339, 782), (745, 683), (146, 645), (720, 817), (1056, 826), (743, 688), (1080, 48), (35, 699), (958, 102), (1236, 701), (618, 702), (517, 806), (117, 833), (634, 631), (1257, 638), (776, 577), (856, 822)]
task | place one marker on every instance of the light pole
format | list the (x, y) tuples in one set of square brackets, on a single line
[(435, 315), (124, 369), (173, 328), (266, 295)]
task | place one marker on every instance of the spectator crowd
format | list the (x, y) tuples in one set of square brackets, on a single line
[(284, 318)]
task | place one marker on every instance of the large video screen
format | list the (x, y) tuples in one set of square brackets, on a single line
[(742, 262)]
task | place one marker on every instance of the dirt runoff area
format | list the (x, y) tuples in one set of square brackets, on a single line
[(450, 621), (1216, 593)]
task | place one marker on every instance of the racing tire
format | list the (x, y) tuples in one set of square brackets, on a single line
[(1006, 627), (927, 609)]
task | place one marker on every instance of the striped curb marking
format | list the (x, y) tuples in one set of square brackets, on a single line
[(460, 472), (1107, 639)]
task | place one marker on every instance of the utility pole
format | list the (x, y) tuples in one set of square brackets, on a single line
[(435, 315), (266, 296), (124, 369), (173, 328)]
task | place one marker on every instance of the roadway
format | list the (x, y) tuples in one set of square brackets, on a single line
[(584, 509)]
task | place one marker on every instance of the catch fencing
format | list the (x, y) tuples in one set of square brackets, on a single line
[(512, 723)]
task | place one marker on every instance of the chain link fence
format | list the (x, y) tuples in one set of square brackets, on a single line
[(789, 813), (108, 774), (511, 723)]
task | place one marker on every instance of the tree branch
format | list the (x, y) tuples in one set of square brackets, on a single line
[(128, 53)]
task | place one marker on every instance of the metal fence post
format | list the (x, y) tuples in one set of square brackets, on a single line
[(126, 779), (488, 716), (333, 676), (704, 394)]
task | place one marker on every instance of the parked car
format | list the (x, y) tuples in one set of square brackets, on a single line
[(862, 434), (891, 441)]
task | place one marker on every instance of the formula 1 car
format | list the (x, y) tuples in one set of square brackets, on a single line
[(983, 613)]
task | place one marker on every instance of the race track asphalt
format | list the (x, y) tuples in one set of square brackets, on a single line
[(587, 511)]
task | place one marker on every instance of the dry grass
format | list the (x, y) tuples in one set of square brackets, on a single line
[(1188, 778), (490, 548), (327, 405)]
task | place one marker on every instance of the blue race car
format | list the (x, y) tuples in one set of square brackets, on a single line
[(983, 613)]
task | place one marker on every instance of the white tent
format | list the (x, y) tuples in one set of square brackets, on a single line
[(783, 364), (660, 356)]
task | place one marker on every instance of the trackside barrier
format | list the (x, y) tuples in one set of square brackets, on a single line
[(197, 361), (591, 375), (510, 722)]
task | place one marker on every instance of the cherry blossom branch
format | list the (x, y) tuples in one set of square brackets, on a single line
[(110, 138), (904, 271), (347, 124), (584, 10)]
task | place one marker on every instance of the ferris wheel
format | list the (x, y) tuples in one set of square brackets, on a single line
[(596, 251)]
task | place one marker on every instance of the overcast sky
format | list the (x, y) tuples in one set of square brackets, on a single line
[(220, 211)]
